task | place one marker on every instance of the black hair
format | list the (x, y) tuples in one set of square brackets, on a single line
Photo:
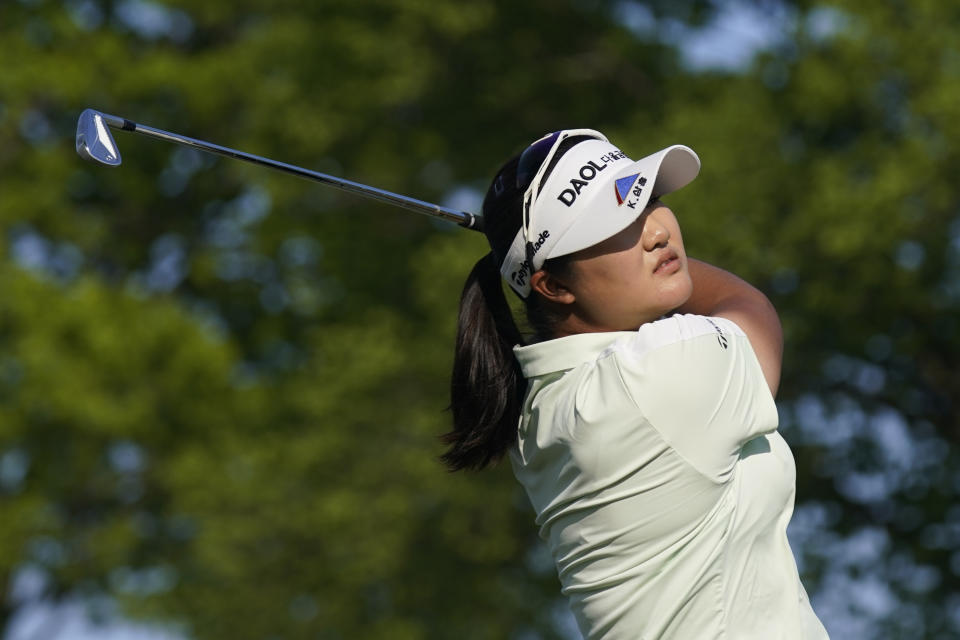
[(487, 386)]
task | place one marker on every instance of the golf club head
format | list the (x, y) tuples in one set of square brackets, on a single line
[(94, 140)]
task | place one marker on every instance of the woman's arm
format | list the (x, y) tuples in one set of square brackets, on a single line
[(719, 293)]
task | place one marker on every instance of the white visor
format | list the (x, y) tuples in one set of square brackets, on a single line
[(593, 193)]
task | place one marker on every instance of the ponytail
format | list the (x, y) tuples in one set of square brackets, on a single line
[(487, 386)]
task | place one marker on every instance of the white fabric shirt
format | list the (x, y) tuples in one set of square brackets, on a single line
[(660, 484)]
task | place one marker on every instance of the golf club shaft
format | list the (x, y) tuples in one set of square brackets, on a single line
[(462, 218)]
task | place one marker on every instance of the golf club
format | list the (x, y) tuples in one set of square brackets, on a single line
[(96, 143)]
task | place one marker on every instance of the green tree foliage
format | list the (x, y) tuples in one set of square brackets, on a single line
[(222, 387), (292, 490)]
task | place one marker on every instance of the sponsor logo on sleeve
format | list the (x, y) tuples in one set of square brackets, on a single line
[(721, 336)]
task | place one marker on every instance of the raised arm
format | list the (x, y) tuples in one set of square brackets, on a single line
[(719, 293)]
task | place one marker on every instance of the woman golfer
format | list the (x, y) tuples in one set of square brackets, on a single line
[(639, 415)]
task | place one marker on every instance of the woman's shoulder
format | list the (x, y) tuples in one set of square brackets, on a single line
[(590, 349), (679, 328)]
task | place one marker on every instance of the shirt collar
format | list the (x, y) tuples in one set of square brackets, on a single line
[(561, 354)]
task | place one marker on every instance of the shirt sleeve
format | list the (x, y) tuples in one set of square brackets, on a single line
[(698, 382)]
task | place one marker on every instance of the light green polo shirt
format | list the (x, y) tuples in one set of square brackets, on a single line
[(660, 484)]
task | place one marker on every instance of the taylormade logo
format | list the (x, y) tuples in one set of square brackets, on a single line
[(520, 276), (587, 173), (721, 336)]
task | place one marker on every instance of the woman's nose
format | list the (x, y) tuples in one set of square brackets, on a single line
[(655, 234)]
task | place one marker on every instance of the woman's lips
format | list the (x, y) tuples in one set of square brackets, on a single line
[(669, 263)]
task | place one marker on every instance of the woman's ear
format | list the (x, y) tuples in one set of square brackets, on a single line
[(551, 287)]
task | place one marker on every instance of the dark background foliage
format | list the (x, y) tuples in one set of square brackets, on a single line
[(222, 387)]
